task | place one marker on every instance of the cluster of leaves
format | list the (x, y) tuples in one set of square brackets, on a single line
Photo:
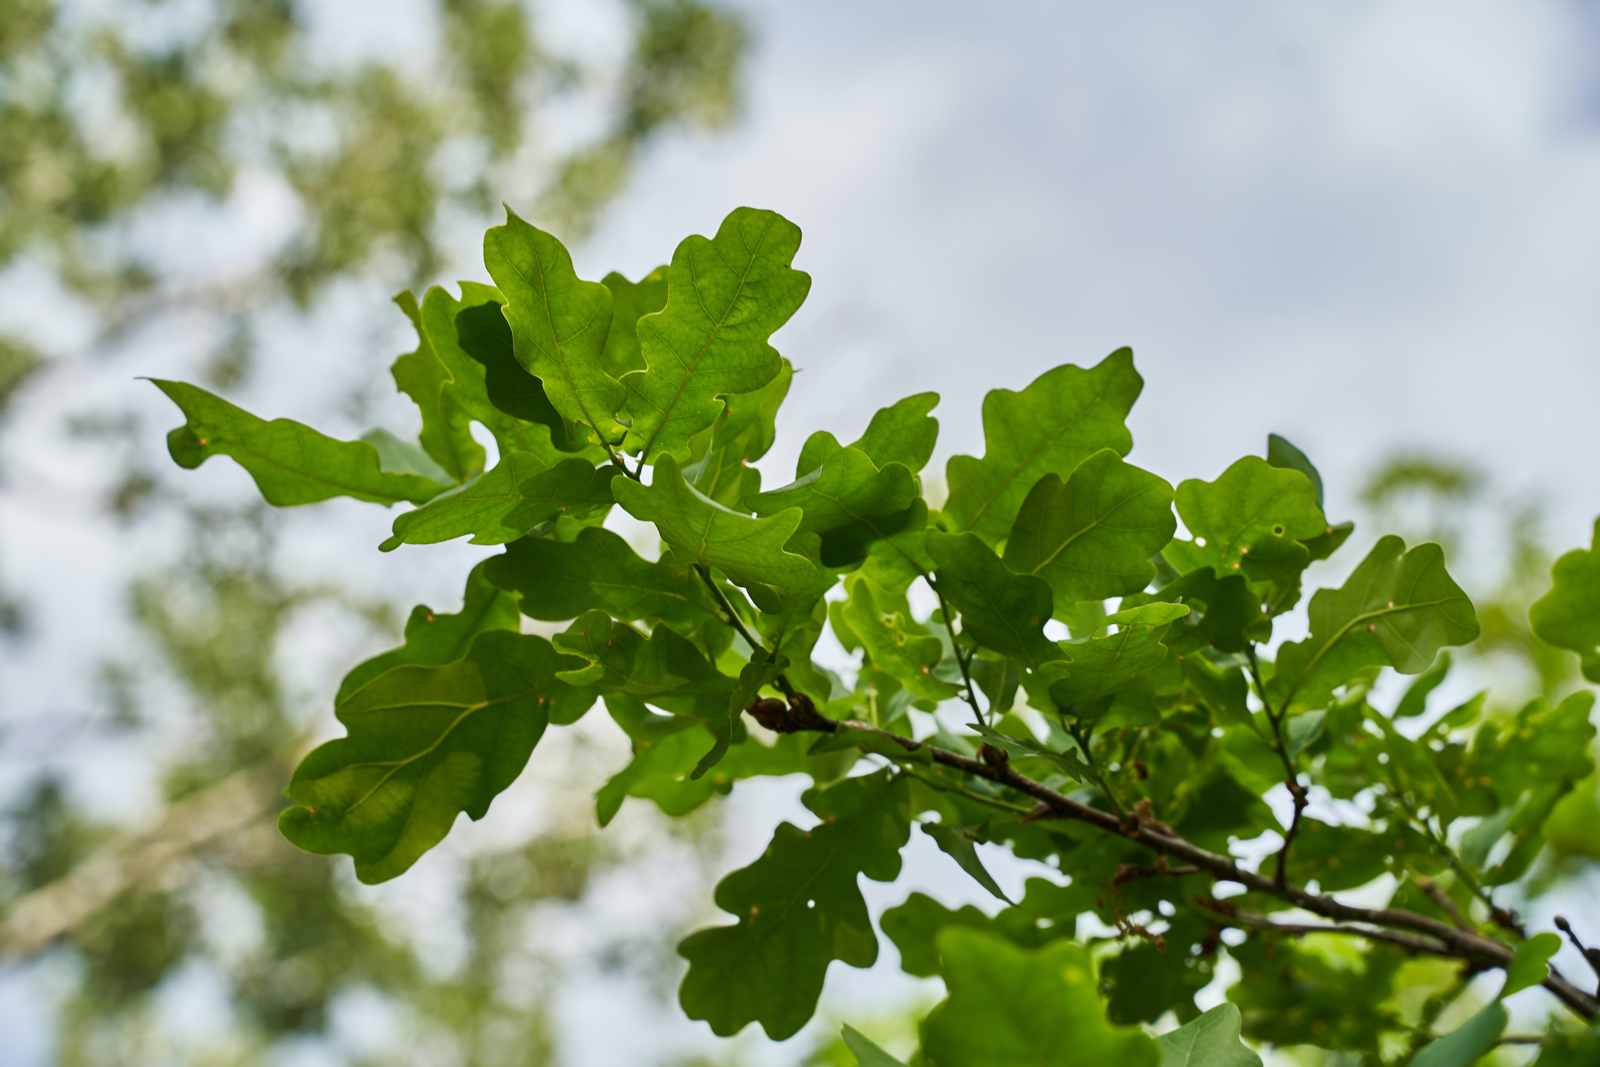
[(1127, 756)]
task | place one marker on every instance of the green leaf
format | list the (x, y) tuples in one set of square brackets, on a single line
[(999, 609), (1415, 700), (748, 550), (663, 669), (866, 1053), (760, 671), (725, 297), (518, 494), (291, 463), (402, 457), (558, 322), (476, 320), (560, 580), (900, 433), (630, 301), (1101, 666), (847, 487), (1397, 608), (1254, 516), (1569, 615), (1303, 731), (484, 336), (799, 908), (433, 639), (1009, 1006), (1212, 1040), (423, 376), (424, 745), (1092, 535), (895, 645), (666, 749), (1065, 416), (1468, 1043), (957, 843), (1069, 763), (1284, 455), (1531, 964)]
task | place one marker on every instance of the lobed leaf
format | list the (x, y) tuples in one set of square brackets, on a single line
[(748, 550), (799, 908), (424, 745), (290, 462), (433, 639), (1098, 668), (999, 609), (423, 376), (1253, 517), (1569, 615), (725, 298), (506, 503), (847, 487), (901, 433), (559, 322), (1061, 419), (1397, 608), (1091, 536), (895, 645)]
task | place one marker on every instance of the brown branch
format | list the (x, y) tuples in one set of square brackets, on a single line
[(1228, 916), (1143, 830)]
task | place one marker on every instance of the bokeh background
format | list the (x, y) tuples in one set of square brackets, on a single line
[(1368, 226)]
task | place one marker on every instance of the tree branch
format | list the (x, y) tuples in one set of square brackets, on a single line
[(1159, 838)]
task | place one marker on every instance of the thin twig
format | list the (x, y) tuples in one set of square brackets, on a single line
[(782, 680), (1461, 944), (970, 695)]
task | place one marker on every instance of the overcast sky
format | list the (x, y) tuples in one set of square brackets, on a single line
[(1366, 225)]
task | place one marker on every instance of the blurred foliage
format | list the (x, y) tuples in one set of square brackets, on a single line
[(123, 123)]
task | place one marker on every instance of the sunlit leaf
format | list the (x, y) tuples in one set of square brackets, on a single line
[(558, 321), (1252, 517), (748, 550), (504, 504), (1398, 608), (425, 378), (725, 297), (1091, 535), (433, 638), (291, 463), (1061, 419), (847, 487)]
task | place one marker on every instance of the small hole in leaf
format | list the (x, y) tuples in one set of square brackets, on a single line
[(811, 903), (1201, 541)]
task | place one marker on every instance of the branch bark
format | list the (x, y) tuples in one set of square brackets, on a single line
[(1160, 839)]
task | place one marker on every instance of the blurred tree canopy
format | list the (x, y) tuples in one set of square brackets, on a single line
[(122, 123)]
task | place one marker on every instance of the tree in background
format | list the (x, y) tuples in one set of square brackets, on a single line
[(127, 128)]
